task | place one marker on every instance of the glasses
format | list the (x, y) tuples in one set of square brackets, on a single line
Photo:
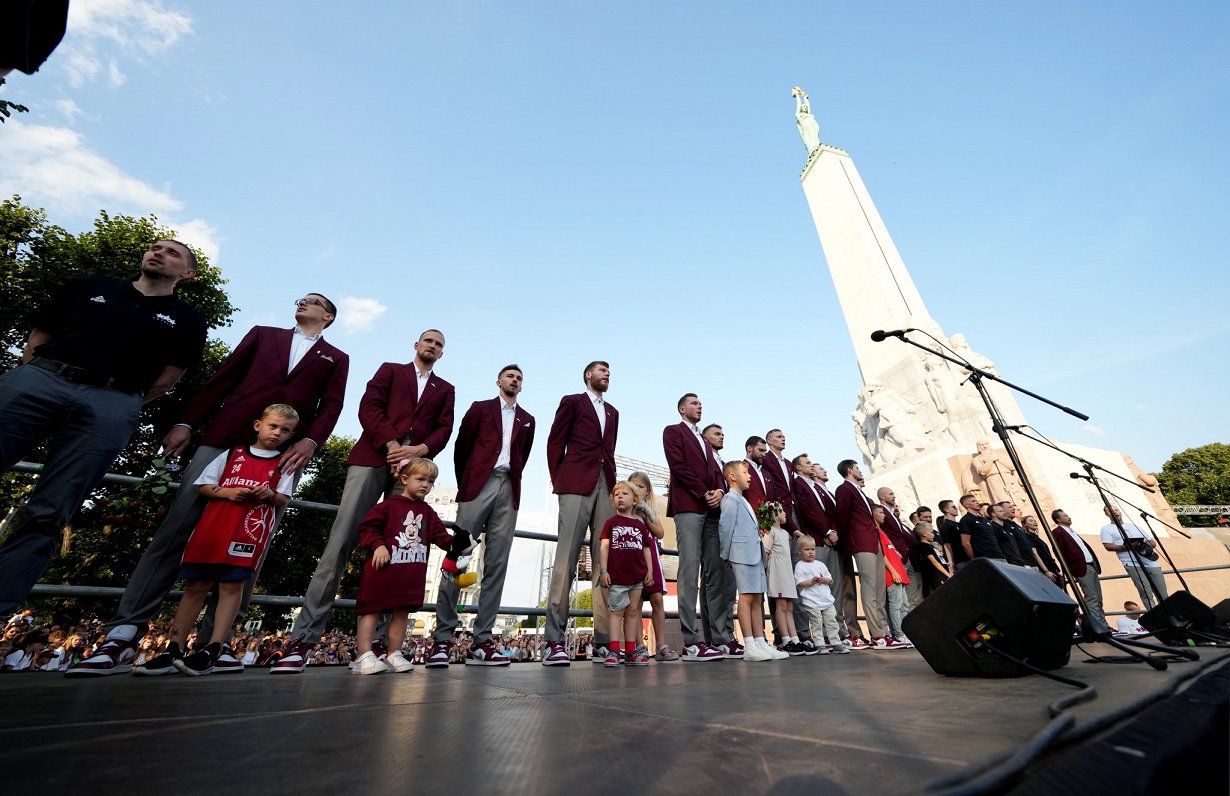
[(309, 301)]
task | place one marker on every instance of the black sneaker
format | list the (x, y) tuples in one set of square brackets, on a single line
[(200, 662), (160, 664), (809, 647), (793, 648)]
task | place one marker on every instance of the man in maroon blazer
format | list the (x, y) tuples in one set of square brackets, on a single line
[(1083, 564), (294, 366), (406, 412), (779, 476), (858, 532), (693, 499), (756, 448), (493, 443), (817, 510), (581, 463)]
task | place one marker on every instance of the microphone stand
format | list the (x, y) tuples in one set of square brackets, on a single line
[(976, 377)]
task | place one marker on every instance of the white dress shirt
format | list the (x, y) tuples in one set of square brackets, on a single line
[(508, 416)]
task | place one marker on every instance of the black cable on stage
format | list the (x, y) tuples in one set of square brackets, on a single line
[(998, 770)]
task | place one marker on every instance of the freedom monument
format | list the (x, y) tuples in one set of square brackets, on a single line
[(920, 424)]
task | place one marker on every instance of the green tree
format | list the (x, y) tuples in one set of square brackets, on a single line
[(7, 107), (36, 258), (1198, 476), (303, 533)]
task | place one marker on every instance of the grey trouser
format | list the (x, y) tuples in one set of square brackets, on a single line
[(85, 427), (913, 589), (731, 594), (364, 486), (846, 589), (871, 584), (576, 514), (1143, 577), (700, 557), (491, 513), (1091, 587), (159, 566)]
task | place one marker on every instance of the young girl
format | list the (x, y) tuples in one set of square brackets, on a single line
[(396, 533), (934, 563), (646, 510), (770, 516), (245, 488), (624, 566)]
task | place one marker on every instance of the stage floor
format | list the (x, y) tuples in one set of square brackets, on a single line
[(868, 722)]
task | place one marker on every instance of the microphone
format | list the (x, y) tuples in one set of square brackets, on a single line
[(1078, 475), (879, 335), (996, 427)]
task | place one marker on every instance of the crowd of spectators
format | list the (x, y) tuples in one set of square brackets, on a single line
[(31, 644)]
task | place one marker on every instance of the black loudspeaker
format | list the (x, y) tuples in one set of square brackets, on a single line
[(988, 603), (1178, 613), (1221, 612)]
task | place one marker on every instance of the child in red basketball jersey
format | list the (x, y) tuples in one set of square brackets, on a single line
[(397, 533), (245, 488), (626, 566)]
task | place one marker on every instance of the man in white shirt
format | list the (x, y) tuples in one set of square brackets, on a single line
[(1137, 553)]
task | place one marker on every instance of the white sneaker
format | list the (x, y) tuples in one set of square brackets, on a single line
[(397, 662), (753, 651), (368, 663), (773, 652)]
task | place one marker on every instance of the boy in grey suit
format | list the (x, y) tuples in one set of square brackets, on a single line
[(743, 550)]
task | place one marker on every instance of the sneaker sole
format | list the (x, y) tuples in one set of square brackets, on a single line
[(123, 668), (228, 670), (557, 663), (435, 665), (141, 671), (703, 660), (472, 662), (287, 670), (194, 672)]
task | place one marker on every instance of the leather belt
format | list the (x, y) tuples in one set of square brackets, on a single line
[(79, 375)]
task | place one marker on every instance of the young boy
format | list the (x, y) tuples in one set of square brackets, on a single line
[(625, 566), (743, 547), (895, 577), (245, 488), (813, 579)]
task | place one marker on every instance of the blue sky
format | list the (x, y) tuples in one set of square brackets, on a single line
[(551, 183)]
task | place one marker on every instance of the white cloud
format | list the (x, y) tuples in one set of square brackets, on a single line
[(199, 234), (1090, 428), (359, 314), (141, 28), (67, 108), (52, 167)]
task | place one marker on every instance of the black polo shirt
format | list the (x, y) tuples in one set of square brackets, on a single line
[(982, 536), (950, 534), (112, 330)]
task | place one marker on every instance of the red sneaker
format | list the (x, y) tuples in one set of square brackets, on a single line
[(113, 657), (295, 659)]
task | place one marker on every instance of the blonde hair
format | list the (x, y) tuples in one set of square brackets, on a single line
[(420, 465), (281, 410), (624, 485), (804, 542), (646, 504)]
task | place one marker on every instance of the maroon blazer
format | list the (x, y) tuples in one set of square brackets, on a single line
[(814, 518), (693, 471), (755, 492), (904, 540), (856, 531), (778, 487), (391, 408), (254, 376), (1071, 551), (577, 449), (479, 441)]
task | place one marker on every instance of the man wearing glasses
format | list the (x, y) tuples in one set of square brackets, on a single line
[(270, 365)]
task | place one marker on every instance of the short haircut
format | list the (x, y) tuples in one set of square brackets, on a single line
[(425, 331), (329, 306), (771, 432), (921, 509), (281, 410), (965, 498), (729, 468), (804, 542), (625, 487), (944, 504), (1055, 514), (794, 463), (711, 425), (683, 399), (419, 465), (591, 366), (753, 441), (192, 262), (844, 466), (507, 368), (1003, 503)]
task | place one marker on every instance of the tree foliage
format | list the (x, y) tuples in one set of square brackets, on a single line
[(36, 258), (1198, 476), (7, 107)]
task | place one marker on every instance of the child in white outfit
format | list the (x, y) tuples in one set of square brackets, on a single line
[(813, 579)]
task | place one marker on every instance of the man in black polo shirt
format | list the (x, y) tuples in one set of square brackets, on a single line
[(978, 538), (100, 348), (950, 533)]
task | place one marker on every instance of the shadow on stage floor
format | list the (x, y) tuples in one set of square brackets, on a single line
[(868, 722)]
